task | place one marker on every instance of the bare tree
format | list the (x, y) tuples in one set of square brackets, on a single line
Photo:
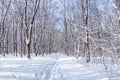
[(86, 31), (29, 31)]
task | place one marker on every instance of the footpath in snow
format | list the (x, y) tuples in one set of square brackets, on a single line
[(52, 67)]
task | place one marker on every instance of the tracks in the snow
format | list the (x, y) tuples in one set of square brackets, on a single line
[(43, 68), (46, 73), (57, 73)]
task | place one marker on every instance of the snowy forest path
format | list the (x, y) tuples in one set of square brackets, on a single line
[(50, 67), (47, 71), (38, 68)]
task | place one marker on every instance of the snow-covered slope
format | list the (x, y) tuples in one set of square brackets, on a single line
[(52, 67)]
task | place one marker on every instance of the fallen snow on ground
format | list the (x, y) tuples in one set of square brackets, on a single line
[(51, 67)]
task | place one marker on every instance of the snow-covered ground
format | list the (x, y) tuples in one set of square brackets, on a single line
[(51, 67)]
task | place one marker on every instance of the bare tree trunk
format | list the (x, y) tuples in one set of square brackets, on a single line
[(21, 30), (86, 41), (65, 30)]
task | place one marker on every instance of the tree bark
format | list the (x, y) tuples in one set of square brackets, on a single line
[(86, 41)]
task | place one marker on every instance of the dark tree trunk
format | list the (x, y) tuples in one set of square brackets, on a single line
[(86, 41), (28, 50)]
